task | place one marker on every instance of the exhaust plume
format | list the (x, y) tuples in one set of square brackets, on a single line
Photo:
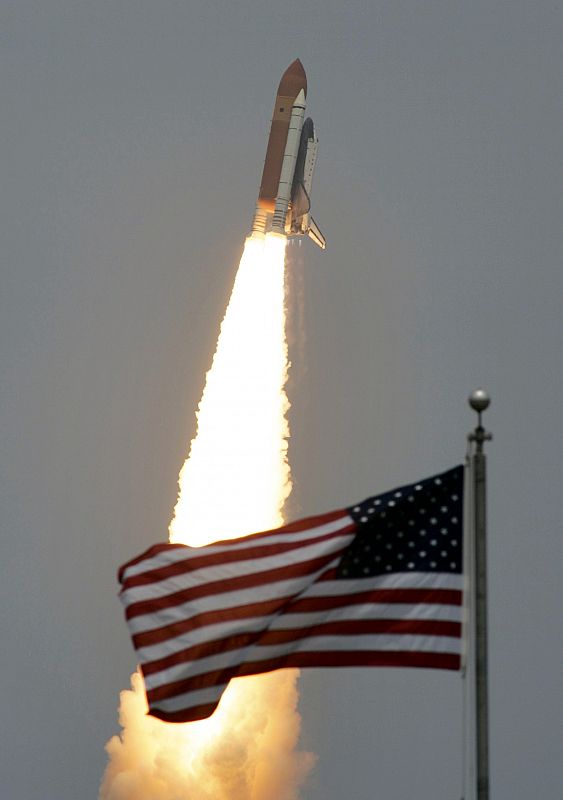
[(235, 481)]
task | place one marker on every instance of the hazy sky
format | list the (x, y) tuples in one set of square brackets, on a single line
[(133, 138)]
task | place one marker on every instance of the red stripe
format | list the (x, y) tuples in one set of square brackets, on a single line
[(267, 638), (308, 605), (398, 658), (194, 561), (157, 635), (150, 553), (288, 572), (185, 714), (364, 627), (367, 658), (203, 650), (329, 575), (292, 527)]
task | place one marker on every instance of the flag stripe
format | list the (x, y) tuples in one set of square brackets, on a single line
[(422, 605), (325, 585), (205, 572), (285, 635), (278, 593), (191, 714), (193, 563), (180, 709), (158, 554), (370, 656), (157, 621), (299, 570)]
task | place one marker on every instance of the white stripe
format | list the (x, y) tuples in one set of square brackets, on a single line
[(289, 589), (355, 643), (224, 660), (238, 597), (397, 580), (369, 642), (370, 611), (208, 633), (174, 554), (237, 569), (364, 611)]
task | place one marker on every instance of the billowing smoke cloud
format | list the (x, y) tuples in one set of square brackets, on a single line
[(247, 751)]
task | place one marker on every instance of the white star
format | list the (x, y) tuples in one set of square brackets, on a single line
[(432, 563), (454, 542), (444, 553), (418, 487), (410, 565), (377, 503), (363, 519), (356, 508), (444, 509), (433, 542), (398, 494), (400, 534), (433, 520), (422, 553), (454, 496), (437, 481), (400, 556), (391, 503), (452, 564), (423, 532), (411, 544), (454, 520)]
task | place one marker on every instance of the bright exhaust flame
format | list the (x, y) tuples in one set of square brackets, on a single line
[(236, 478), (235, 481)]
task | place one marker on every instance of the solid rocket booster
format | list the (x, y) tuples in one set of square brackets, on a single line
[(289, 161), (283, 204)]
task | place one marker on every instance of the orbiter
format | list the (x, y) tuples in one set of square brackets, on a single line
[(284, 203)]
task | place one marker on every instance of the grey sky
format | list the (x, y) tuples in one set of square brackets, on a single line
[(133, 137)]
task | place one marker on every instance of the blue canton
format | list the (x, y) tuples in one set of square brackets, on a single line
[(415, 528)]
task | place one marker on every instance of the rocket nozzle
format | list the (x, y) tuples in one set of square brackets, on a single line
[(260, 220)]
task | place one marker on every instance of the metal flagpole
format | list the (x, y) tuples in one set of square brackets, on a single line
[(479, 400)]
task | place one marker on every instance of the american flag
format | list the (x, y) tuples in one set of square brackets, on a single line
[(377, 584)]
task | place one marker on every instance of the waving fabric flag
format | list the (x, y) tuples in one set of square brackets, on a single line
[(376, 584)]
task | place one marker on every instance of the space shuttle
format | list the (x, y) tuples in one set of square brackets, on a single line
[(284, 199)]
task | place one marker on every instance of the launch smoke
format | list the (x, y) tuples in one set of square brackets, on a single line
[(235, 481)]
